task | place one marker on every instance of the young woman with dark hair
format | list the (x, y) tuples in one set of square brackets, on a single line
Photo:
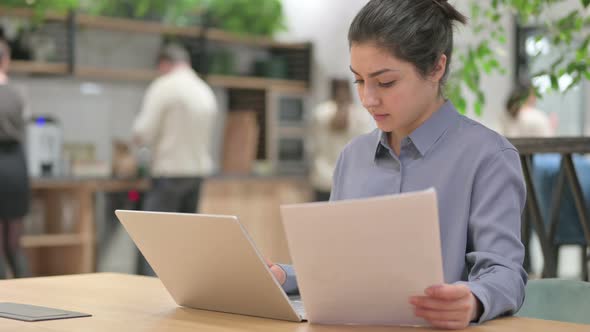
[(400, 56)]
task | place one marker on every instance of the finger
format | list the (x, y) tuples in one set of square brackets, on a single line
[(429, 303), (268, 262), (431, 315), (449, 325), (448, 292)]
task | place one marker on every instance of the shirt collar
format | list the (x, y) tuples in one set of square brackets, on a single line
[(428, 133)]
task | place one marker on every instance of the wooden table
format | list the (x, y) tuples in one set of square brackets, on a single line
[(134, 303), (566, 146)]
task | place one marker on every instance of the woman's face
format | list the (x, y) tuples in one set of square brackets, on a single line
[(392, 90)]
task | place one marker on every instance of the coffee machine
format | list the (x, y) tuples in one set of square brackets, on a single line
[(44, 147)]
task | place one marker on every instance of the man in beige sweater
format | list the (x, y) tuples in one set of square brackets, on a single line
[(176, 122)]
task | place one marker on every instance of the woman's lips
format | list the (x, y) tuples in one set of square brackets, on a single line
[(380, 117)]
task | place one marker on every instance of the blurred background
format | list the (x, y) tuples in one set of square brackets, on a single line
[(284, 107)]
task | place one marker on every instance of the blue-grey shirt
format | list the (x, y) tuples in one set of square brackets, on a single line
[(481, 194)]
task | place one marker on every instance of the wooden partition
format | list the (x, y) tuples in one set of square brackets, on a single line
[(256, 202)]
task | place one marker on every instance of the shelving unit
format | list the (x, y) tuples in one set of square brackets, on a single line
[(57, 251), (197, 40), (137, 26)]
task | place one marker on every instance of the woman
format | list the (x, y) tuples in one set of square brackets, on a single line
[(522, 118), (400, 55), (14, 183), (333, 124)]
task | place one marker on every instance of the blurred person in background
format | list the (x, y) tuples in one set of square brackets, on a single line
[(334, 123), (14, 181), (176, 123), (522, 118)]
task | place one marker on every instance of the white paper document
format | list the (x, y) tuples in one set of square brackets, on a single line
[(359, 261)]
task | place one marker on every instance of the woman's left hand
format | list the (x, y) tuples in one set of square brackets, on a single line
[(450, 307)]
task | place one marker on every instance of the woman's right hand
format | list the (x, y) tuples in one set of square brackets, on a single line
[(277, 271)]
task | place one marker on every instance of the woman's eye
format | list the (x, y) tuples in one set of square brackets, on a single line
[(387, 84), (358, 82)]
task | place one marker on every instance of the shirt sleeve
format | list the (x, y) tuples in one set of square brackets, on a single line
[(495, 251), (336, 192), (147, 122), (290, 285)]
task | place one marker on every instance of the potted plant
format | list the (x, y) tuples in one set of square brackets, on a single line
[(253, 17)]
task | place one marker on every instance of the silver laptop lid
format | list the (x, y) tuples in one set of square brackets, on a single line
[(208, 262)]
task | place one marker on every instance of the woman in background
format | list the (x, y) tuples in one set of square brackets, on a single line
[(14, 182), (334, 123), (522, 118)]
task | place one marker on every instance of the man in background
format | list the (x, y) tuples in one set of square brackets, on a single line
[(176, 123)]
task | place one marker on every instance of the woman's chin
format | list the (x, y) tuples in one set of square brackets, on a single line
[(385, 127)]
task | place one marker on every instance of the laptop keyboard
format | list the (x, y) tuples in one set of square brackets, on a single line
[(298, 305)]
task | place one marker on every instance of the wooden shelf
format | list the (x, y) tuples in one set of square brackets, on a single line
[(235, 82), (138, 26), (115, 74), (29, 13), (122, 24), (228, 37), (94, 185), (258, 83), (145, 75), (52, 240), (32, 67)]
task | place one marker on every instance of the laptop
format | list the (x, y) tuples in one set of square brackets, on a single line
[(359, 261), (209, 262)]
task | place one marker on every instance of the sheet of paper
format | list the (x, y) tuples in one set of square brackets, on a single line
[(359, 261)]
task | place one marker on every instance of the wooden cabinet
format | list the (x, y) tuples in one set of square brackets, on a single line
[(63, 241), (256, 202)]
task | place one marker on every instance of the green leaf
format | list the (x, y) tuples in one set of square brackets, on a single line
[(557, 62), (478, 108), (585, 3), (461, 105), (582, 51), (554, 82)]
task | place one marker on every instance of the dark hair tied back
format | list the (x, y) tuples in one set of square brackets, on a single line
[(415, 31)]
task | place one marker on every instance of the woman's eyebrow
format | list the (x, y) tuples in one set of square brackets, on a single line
[(376, 73)]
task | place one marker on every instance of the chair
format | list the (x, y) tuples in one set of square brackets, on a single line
[(557, 299), (569, 231)]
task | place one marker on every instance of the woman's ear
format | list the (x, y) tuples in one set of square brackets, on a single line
[(439, 69)]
